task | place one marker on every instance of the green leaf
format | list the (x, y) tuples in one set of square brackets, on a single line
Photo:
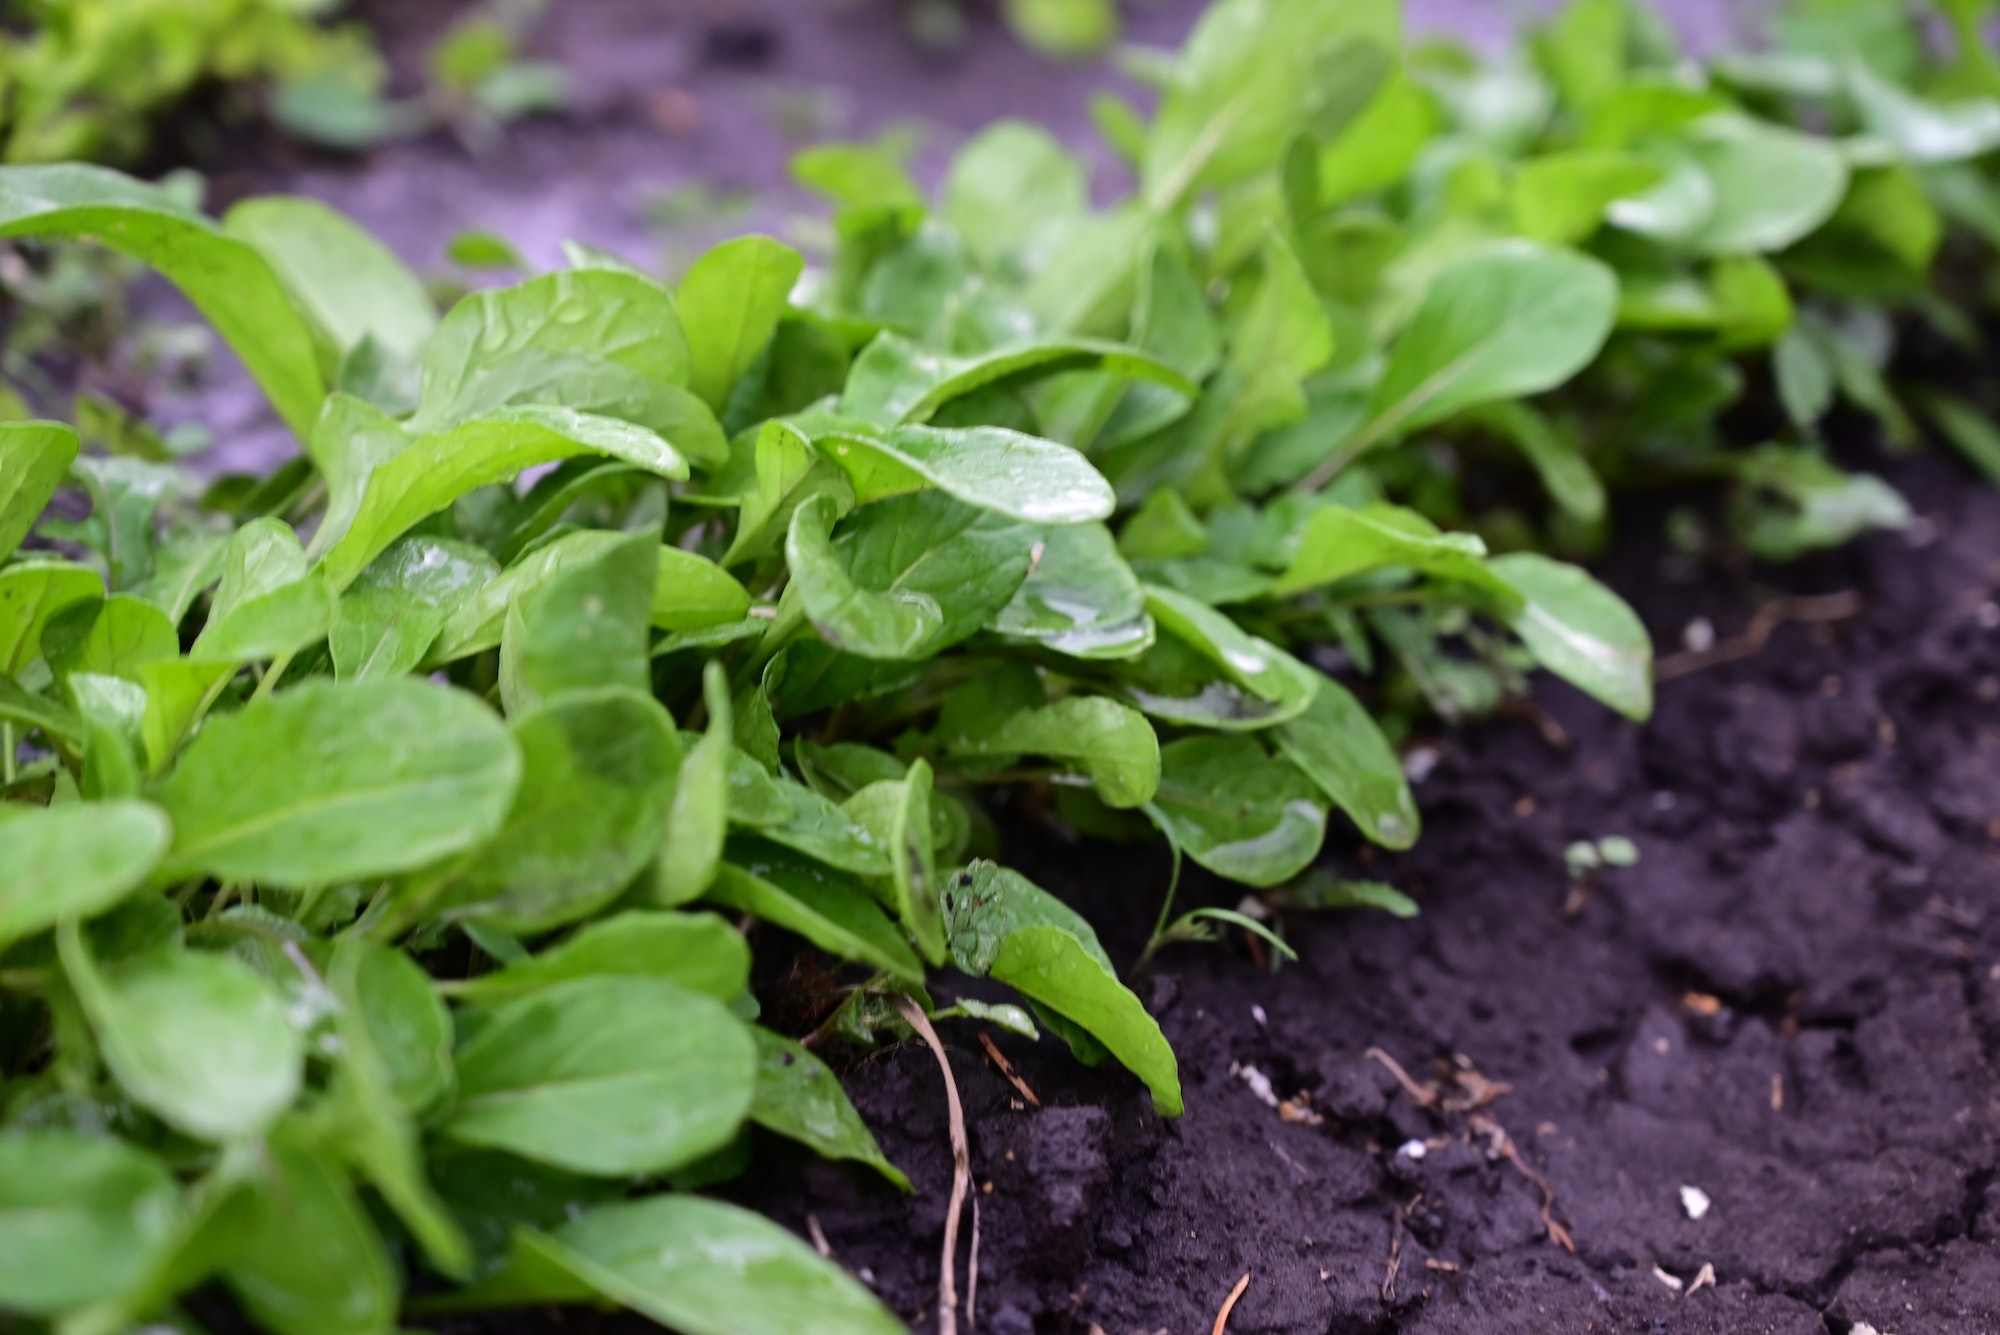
[(1320, 891), (1581, 631), (598, 775), (1008, 189), (74, 861), (913, 873), (115, 637), (38, 711), (795, 816), (907, 577), (390, 616), (269, 603), (113, 712), (816, 902), (1339, 747), (1561, 198), (1007, 928), (1553, 453), (730, 304), (1111, 744), (609, 1076), (598, 341), (34, 458), (704, 1268), (1772, 186), (800, 1099), (1237, 811), (1970, 431), (30, 594), (351, 285), (698, 822), (201, 1040), (1796, 501), (1015, 475), (789, 473), (401, 773), (1382, 144), (1252, 664), (383, 995), (1505, 322), (1922, 131), (227, 279), (585, 628), (306, 1259), (80, 1218), (1080, 599), (696, 951), (1282, 337), (421, 474), (1338, 543), (895, 383)]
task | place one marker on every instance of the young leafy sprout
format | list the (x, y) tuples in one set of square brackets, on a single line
[(378, 832)]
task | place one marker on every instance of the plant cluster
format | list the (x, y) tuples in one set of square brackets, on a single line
[(382, 837)]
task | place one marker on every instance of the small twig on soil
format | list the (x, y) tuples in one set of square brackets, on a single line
[(1229, 1304), (1705, 1279), (961, 1167), (1423, 1095), (818, 1236), (972, 1274), (1503, 1147), (1395, 1258), (1825, 607), (1006, 1068)]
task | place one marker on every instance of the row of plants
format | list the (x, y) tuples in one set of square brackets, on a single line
[(92, 80), (385, 837)]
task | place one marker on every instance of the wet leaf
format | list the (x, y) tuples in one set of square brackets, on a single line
[(1339, 747), (390, 616), (696, 951), (74, 861), (34, 457), (800, 1099), (1581, 631), (730, 303), (820, 904), (1237, 811), (80, 1217)]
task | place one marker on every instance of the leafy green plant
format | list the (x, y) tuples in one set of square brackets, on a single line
[(378, 837)]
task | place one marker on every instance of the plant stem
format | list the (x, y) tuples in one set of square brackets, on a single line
[(7, 745), (1159, 936), (269, 682)]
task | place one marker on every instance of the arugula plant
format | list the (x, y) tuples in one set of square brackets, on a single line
[(378, 833)]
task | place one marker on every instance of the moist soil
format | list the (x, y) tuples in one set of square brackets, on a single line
[(1791, 1004)]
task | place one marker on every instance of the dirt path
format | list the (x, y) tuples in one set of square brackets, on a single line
[(1791, 1004)]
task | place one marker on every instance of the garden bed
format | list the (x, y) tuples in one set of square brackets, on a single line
[(1788, 1004)]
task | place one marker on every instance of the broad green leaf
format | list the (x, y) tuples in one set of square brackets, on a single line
[(178, 691), (907, 577), (1110, 744), (1080, 598), (701, 1267), (307, 1259), (801, 819), (1238, 812), (895, 383), (1006, 927), (1772, 185), (426, 473), (30, 594), (113, 711), (1254, 665), (270, 603), (1339, 747), (857, 176), (1008, 188), (227, 279), (1581, 631), (390, 616), (1338, 543), (800, 1099), (583, 629), (789, 472), (817, 903), (1560, 198), (1583, 51), (1552, 451), (1320, 891), (698, 822), (1922, 131), (1282, 337), (114, 637), (1381, 145), (74, 861), (609, 1076), (1505, 322), (596, 340), (730, 303), (401, 773), (34, 458), (1245, 79), (1797, 501), (126, 498), (1019, 476), (697, 951), (382, 995), (599, 770), (201, 1040), (80, 1218), (913, 873), (187, 563), (351, 285)]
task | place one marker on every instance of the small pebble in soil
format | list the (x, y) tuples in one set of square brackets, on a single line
[(1695, 1201), (1412, 1149)]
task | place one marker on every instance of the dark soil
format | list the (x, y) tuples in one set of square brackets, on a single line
[(1792, 1003)]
